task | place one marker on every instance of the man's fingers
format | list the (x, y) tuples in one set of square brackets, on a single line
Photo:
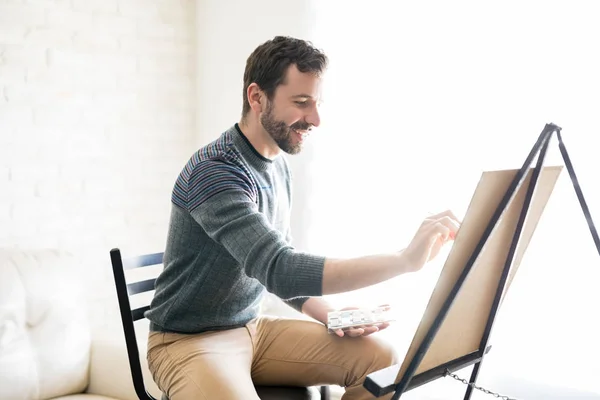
[(365, 331), (450, 223), (383, 326), (355, 332), (447, 213), (445, 227), (438, 230), (370, 329), (447, 218)]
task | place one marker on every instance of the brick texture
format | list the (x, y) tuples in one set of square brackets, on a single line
[(97, 105)]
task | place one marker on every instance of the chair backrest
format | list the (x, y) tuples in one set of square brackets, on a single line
[(129, 316)]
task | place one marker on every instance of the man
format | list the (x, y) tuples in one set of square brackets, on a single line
[(228, 242)]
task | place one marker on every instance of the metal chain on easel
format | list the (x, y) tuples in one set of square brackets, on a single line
[(474, 386)]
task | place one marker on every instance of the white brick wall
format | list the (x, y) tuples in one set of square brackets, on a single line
[(97, 105)]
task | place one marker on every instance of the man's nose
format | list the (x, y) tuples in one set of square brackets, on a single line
[(314, 118)]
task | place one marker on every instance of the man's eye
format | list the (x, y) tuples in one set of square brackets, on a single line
[(301, 103)]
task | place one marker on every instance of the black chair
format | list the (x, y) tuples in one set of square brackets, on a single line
[(129, 316)]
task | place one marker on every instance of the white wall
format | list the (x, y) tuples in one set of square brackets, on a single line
[(227, 34), (96, 119)]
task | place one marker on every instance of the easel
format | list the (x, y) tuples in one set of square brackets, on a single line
[(394, 379)]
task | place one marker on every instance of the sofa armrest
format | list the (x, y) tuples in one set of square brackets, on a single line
[(109, 367)]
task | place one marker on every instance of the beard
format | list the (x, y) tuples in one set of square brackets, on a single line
[(281, 132)]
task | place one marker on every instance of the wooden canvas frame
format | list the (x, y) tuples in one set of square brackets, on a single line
[(456, 325)]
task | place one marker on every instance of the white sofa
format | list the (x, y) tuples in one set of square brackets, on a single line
[(47, 348)]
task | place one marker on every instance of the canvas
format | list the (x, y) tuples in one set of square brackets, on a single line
[(462, 330), (457, 343)]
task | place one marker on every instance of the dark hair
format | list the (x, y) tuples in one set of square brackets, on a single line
[(269, 62)]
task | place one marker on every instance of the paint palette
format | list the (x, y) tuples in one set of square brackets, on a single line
[(360, 318)]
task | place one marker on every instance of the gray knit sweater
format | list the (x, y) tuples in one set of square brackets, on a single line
[(229, 241)]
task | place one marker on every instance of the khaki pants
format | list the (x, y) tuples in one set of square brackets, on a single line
[(225, 365)]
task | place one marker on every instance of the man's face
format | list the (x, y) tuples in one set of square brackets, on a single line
[(293, 112)]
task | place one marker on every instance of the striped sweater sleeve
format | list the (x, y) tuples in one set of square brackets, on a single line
[(222, 199)]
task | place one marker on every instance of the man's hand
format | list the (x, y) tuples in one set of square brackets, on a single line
[(434, 232), (317, 308), (366, 331)]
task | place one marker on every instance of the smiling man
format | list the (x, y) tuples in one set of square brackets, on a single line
[(229, 242)]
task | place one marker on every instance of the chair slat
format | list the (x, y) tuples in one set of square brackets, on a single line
[(138, 313), (140, 287), (143, 261)]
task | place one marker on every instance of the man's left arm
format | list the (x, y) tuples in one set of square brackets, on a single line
[(317, 308)]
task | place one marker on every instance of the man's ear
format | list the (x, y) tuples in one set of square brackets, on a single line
[(255, 98)]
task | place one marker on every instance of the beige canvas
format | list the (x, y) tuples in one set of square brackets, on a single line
[(462, 329)]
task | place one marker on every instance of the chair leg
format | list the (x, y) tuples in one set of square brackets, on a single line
[(325, 393)]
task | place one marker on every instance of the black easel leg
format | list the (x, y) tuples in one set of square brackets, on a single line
[(577, 187), (473, 379)]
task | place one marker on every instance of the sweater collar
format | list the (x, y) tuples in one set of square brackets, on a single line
[(252, 155)]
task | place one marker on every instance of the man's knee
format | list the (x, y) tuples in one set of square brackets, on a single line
[(384, 355), (372, 355)]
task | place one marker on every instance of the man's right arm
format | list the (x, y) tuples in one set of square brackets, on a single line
[(223, 206), (342, 275)]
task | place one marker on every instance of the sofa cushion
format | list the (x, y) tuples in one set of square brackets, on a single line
[(84, 397), (44, 332)]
